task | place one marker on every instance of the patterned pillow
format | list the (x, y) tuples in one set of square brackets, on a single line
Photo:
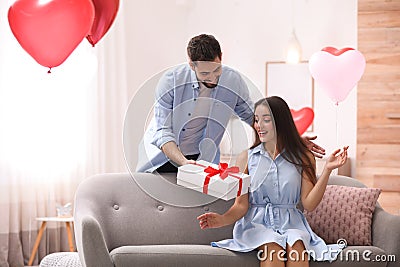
[(344, 213)]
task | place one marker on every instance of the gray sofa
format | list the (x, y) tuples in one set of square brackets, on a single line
[(118, 223)]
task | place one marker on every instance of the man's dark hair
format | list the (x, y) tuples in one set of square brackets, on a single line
[(203, 47)]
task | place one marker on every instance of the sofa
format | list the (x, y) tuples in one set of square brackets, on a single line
[(147, 220)]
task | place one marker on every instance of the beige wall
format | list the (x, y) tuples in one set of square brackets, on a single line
[(251, 33)]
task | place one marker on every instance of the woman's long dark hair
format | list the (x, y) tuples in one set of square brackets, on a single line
[(288, 138)]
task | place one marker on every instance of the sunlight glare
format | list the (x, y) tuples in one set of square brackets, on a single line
[(44, 117)]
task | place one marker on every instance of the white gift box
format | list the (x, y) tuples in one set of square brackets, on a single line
[(193, 176)]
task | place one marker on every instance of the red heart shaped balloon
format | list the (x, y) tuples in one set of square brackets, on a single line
[(49, 30), (105, 13), (336, 52), (302, 118)]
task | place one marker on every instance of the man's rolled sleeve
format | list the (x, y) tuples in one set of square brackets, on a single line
[(163, 133), (163, 111), (244, 106)]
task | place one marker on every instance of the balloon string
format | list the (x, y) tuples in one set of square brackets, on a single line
[(337, 125), (336, 171)]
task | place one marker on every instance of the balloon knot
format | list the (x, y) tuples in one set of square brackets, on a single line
[(49, 71), (89, 38)]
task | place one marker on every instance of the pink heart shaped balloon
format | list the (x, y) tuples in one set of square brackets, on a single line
[(302, 118), (337, 74)]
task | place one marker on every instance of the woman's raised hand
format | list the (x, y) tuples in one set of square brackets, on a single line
[(337, 159)]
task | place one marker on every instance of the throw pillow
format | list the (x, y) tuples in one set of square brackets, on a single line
[(344, 213)]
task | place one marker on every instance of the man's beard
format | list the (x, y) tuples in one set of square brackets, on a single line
[(207, 84), (210, 85)]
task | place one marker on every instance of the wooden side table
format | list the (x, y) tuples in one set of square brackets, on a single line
[(67, 220)]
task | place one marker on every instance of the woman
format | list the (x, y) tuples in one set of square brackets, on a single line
[(282, 170)]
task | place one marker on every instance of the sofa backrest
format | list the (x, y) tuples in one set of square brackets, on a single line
[(129, 216), (131, 210), (344, 180)]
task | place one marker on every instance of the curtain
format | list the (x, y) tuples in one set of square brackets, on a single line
[(55, 130)]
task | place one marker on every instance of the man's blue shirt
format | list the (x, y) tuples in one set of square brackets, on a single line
[(176, 96)]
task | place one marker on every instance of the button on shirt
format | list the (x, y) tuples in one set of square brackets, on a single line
[(197, 122), (177, 94), (271, 175)]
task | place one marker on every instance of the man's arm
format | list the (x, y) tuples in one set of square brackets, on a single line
[(244, 109), (163, 111), (164, 138), (244, 106), (172, 151)]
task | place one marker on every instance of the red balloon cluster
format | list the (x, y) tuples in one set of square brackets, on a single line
[(105, 12), (50, 30)]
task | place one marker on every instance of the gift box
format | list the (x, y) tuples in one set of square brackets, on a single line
[(219, 181)]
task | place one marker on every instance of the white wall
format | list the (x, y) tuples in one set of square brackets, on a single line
[(251, 33)]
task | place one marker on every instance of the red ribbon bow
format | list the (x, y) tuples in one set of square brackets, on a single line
[(223, 172)]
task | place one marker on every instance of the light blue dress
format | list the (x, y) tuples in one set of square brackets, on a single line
[(273, 215)]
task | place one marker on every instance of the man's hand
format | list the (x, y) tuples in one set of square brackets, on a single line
[(318, 151), (173, 153), (189, 161)]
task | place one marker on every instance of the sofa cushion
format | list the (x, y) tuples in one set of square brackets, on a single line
[(344, 213), (203, 255), (181, 255)]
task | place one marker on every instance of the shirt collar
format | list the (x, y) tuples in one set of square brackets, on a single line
[(261, 150), (257, 149), (195, 82)]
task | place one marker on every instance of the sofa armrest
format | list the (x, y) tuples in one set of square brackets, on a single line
[(386, 233), (91, 245)]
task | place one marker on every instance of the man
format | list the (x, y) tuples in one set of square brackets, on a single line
[(194, 103)]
